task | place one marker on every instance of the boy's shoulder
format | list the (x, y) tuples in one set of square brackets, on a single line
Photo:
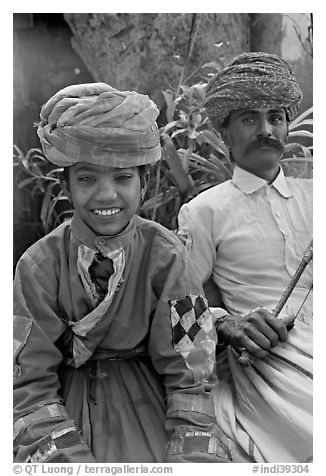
[(50, 243), (157, 232)]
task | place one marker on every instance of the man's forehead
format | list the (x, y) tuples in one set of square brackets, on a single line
[(258, 110)]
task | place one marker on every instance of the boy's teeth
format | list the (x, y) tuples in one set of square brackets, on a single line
[(106, 212)]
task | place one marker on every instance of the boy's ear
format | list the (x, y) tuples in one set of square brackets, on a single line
[(65, 187), (144, 186)]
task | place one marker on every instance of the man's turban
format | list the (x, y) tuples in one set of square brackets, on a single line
[(98, 124), (252, 80)]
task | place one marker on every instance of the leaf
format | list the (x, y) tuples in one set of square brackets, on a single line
[(295, 147), (171, 156), (219, 163), (199, 93), (211, 138), (196, 117), (211, 64), (169, 105), (177, 132), (306, 122), (192, 134), (160, 200), (302, 116), (54, 172), (202, 161), (183, 117), (308, 159), (45, 208), (25, 182), (185, 89), (301, 134), (169, 126)]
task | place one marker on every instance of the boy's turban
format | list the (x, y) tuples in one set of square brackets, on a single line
[(98, 124), (252, 80)]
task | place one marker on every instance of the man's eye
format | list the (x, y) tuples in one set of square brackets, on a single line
[(248, 120), (277, 118)]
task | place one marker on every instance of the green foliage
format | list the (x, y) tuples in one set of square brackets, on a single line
[(34, 173), (194, 155), (297, 160)]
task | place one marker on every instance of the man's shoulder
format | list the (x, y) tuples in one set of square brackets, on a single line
[(300, 185), (222, 190), (214, 197)]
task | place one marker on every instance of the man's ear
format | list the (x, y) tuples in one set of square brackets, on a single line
[(225, 135)]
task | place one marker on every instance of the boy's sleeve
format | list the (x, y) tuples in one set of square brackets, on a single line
[(182, 348), (43, 431)]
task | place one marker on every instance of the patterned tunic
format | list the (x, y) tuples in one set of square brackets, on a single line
[(123, 375)]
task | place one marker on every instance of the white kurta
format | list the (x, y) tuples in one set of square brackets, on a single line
[(250, 237)]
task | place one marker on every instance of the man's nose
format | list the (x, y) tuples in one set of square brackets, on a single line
[(264, 128), (106, 190)]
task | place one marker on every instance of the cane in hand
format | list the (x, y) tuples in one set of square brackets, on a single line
[(246, 359)]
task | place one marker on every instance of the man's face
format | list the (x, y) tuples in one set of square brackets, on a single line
[(106, 198), (256, 138)]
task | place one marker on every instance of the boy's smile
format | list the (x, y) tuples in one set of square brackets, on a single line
[(106, 198), (106, 212)]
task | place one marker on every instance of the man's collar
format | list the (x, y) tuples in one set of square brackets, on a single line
[(250, 183)]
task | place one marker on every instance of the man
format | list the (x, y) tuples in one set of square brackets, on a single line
[(247, 237)]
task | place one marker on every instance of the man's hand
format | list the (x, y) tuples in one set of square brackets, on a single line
[(257, 332)]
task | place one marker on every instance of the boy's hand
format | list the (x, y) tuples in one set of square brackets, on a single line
[(257, 332)]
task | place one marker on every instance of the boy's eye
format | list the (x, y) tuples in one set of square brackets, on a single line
[(123, 178), (85, 178)]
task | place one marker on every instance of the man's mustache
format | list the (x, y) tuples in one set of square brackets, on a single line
[(260, 142)]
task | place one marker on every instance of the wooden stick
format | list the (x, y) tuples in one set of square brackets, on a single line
[(246, 359)]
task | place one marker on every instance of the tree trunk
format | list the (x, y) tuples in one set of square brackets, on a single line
[(266, 32), (150, 52)]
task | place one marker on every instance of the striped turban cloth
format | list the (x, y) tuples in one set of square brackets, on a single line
[(252, 80), (98, 124)]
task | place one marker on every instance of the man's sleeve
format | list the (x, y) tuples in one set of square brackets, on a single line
[(196, 232), (182, 348), (43, 431)]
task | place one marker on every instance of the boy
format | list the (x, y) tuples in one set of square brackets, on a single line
[(114, 343)]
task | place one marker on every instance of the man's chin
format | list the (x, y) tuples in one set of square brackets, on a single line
[(268, 155)]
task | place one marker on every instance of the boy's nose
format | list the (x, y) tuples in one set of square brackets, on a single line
[(106, 191)]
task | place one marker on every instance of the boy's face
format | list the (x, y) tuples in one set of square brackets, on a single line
[(106, 198)]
